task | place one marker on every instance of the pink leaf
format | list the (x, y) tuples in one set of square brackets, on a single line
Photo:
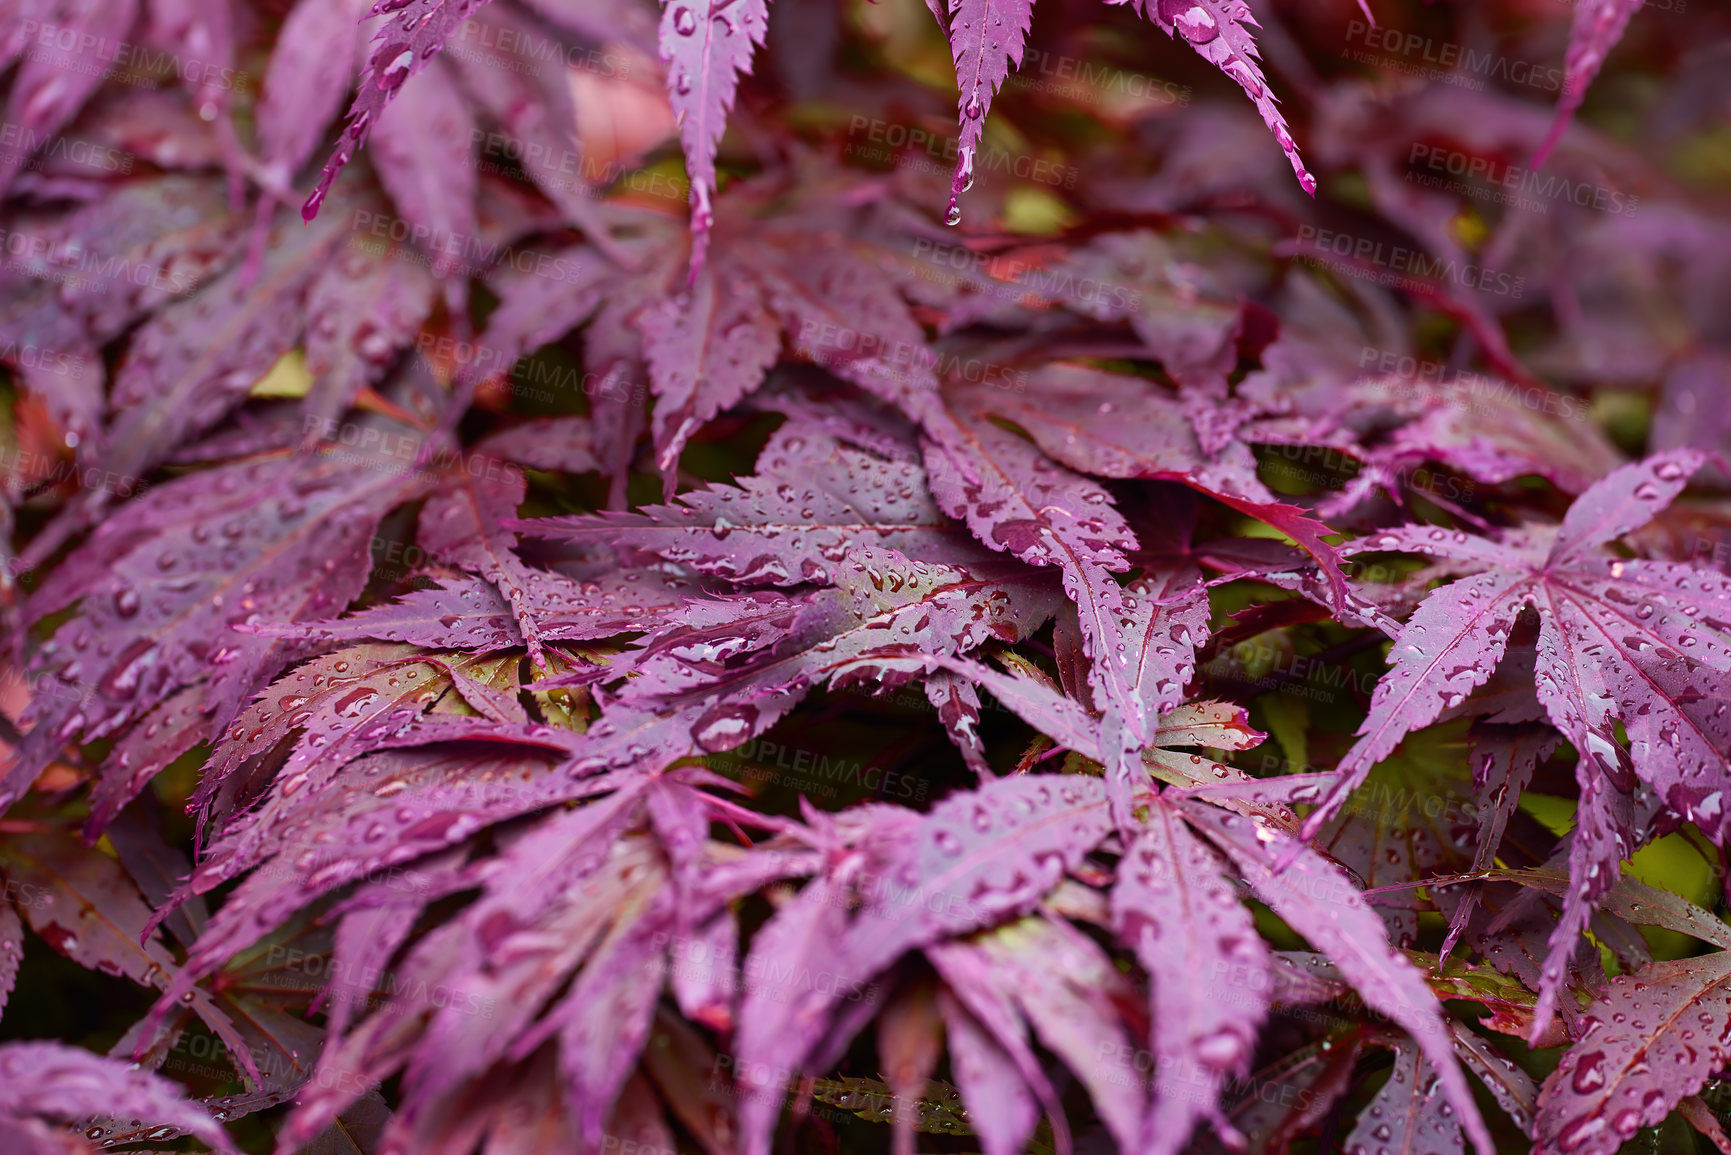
[(309, 74), (986, 40), (411, 36), (361, 312), (51, 1081), (1000, 1102), (1176, 909), (1598, 25), (1653, 1037), (706, 348), (57, 77), (793, 520), (463, 524), (162, 587), (1627, 499), (1220, 31), (11, 951), (707, 44), (423, 149), (1318, 901), (978, 856), (1410, 1112)]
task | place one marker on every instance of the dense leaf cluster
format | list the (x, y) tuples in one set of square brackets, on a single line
[(626, 621)]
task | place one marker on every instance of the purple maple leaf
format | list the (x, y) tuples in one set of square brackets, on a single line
[(463, 524), (48, 1085), (1651, 1038), (707, 348), (1598, 25), (1410, 1111), (1630, 640), (1317, 900), (1220, 31), (424, 152), (986, 40), (1172, 901), (407, 42), (55, 79), (162, 588), (793, 521), (308, 76), (707, 44)]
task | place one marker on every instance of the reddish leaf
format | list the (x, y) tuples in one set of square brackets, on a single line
[(1628, 640), (195, 360), (1598, 25), (63, 70), (1409, 1112), (706, 349), (1172, 900), (1078, 1003), (11, 951), (999, 1100), (162, 588), (463, 524), (1220, 31), (985, 48), (361, 312), (706, 46), (407, 41), (51, 1081), (424, 152), (1652, 1038), (910, 1040), (793, 521), (83, 905), (1316, 899), (309, 74), (526, 94)]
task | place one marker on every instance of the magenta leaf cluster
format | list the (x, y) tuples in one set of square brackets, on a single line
[(613, 617)]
